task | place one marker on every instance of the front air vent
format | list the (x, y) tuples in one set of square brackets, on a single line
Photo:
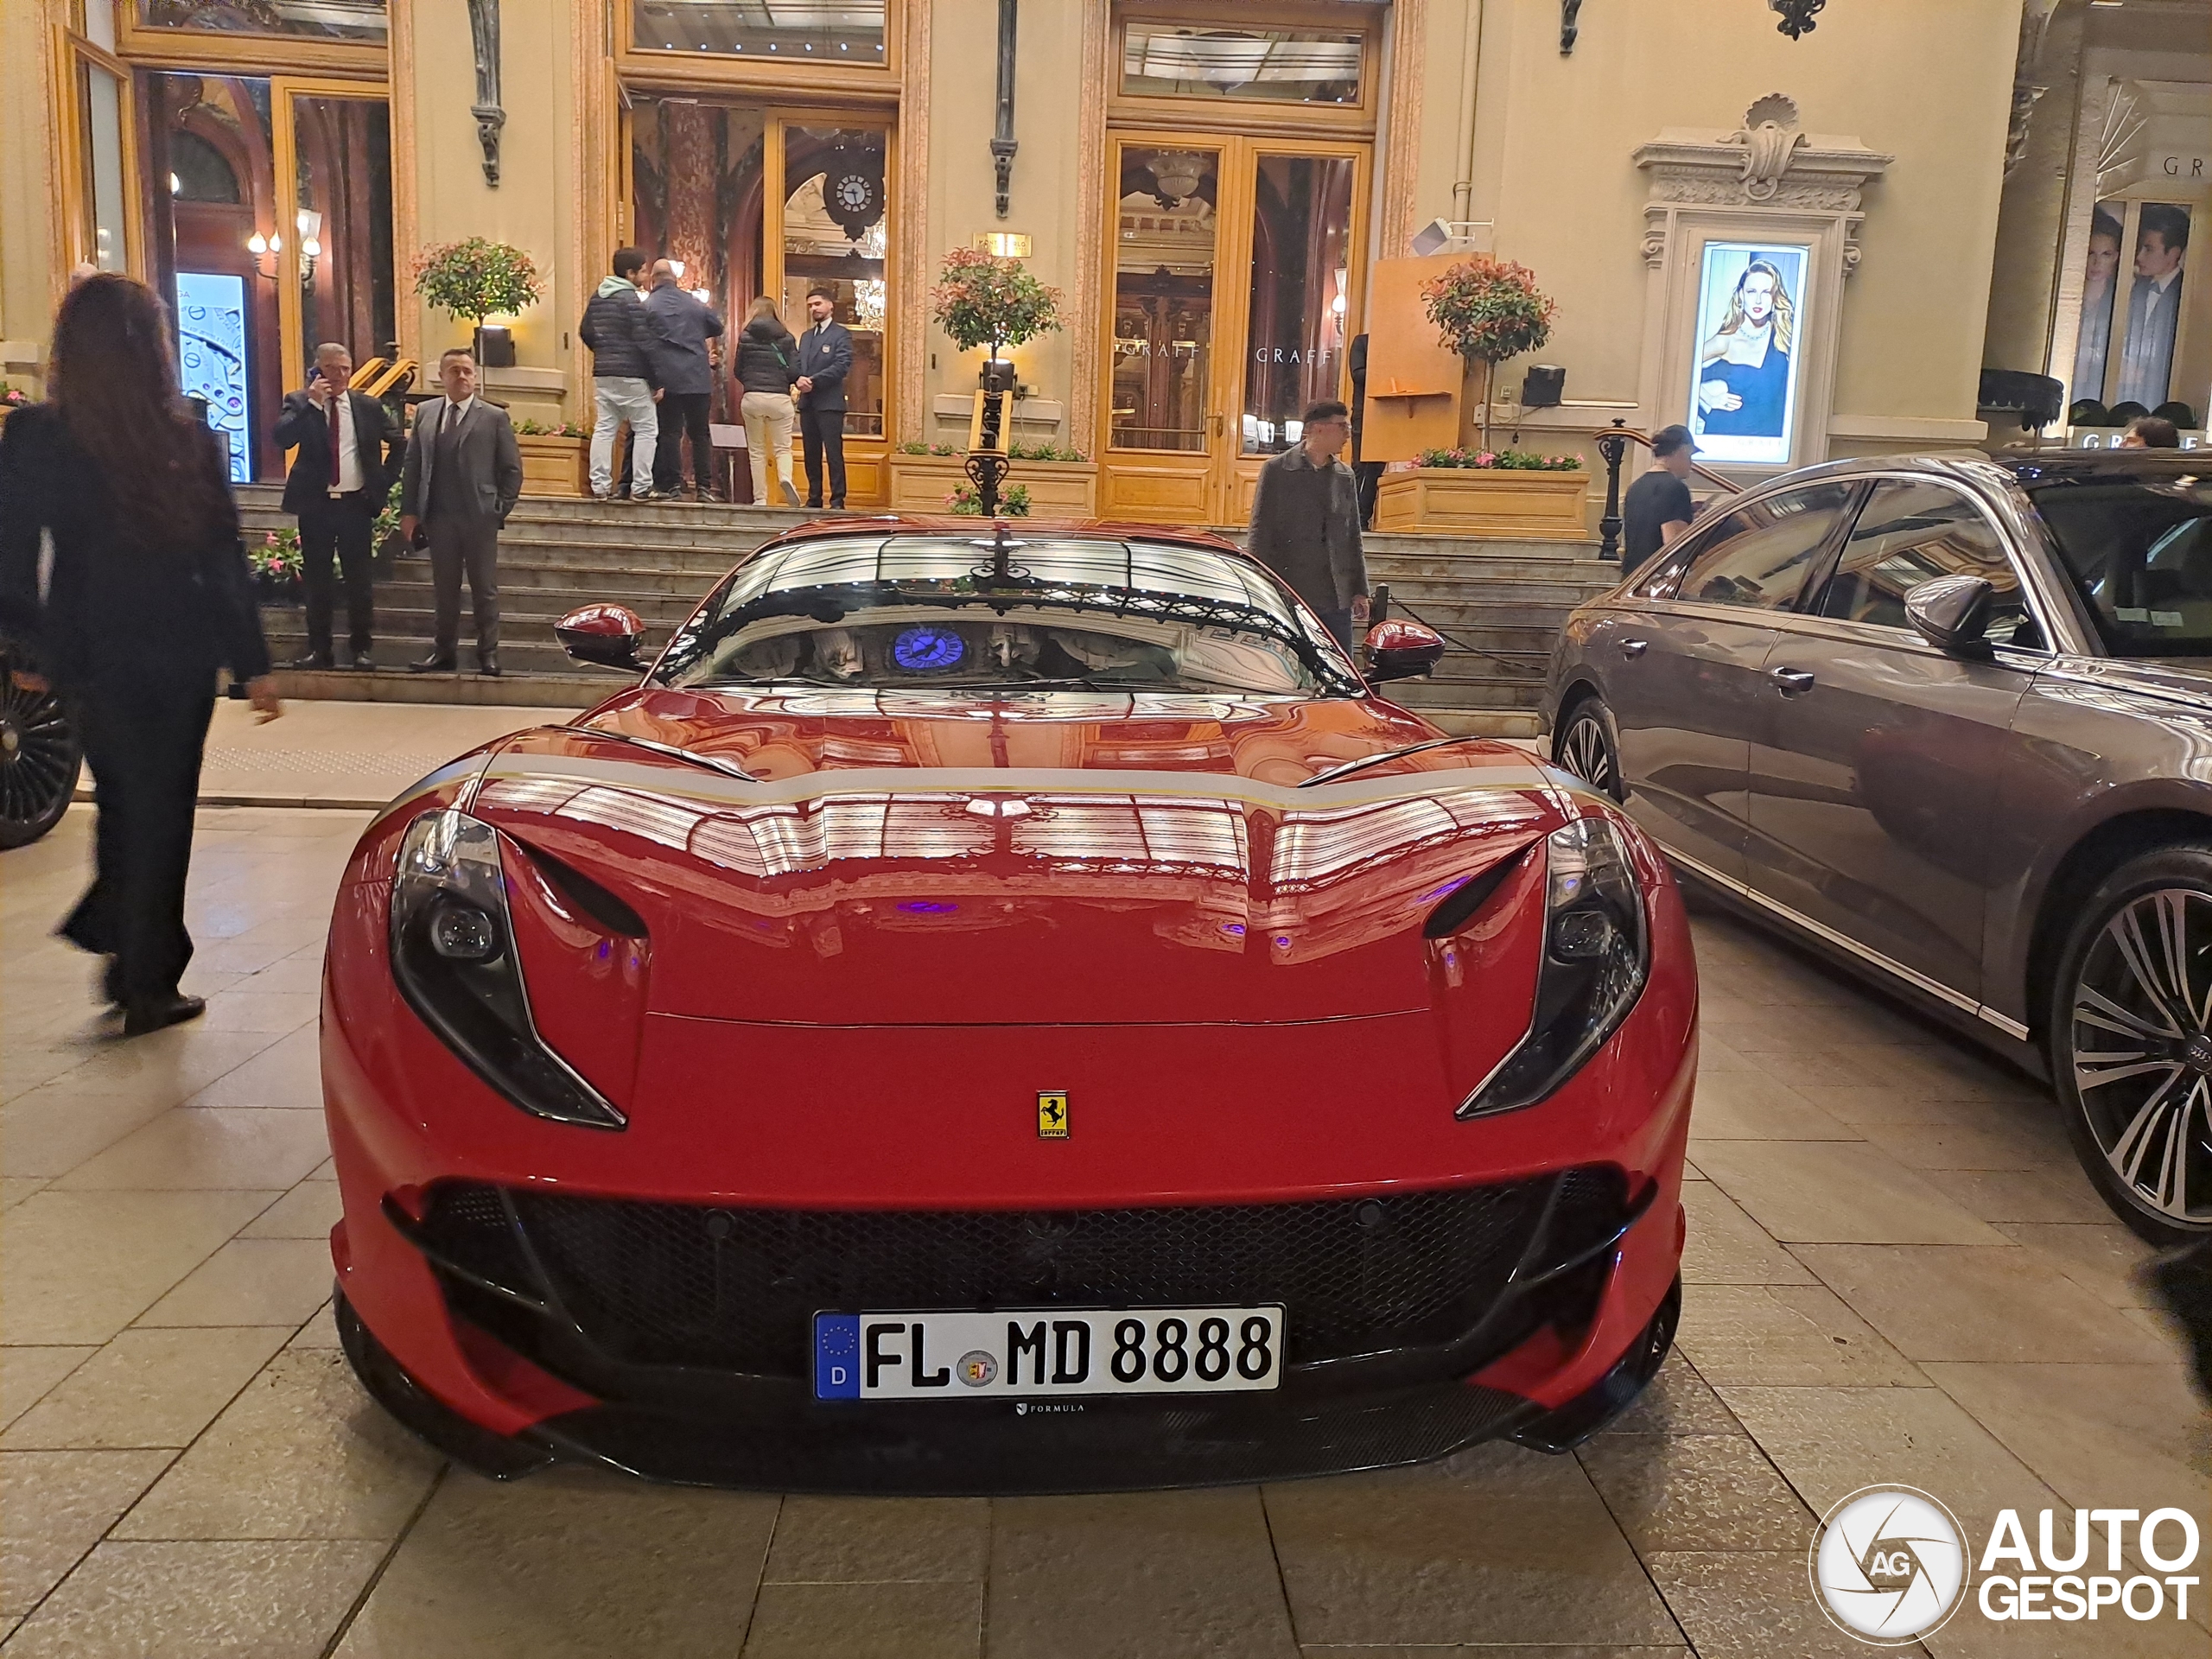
[(1458, 906)]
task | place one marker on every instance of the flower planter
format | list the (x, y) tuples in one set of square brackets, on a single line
[(552, 465), (1057, 489), (1485, 501)]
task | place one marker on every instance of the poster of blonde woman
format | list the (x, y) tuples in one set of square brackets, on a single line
[(1744, 381)]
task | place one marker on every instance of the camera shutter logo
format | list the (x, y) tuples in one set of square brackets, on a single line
[(1889, 1564)]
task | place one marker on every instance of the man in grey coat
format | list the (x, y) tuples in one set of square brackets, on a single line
[(682, 360), (1305, 522), (462, 477)]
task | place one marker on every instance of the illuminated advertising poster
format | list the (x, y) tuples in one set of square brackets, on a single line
[(1744, 381)]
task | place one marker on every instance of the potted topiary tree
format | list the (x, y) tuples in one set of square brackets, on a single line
[(994, 303), (478, 279), (1487, 309)]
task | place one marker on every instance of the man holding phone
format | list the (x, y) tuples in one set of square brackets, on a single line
[(343, 445)]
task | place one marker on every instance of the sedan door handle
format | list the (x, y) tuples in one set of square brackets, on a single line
[(1791, 681), (1635, 647)]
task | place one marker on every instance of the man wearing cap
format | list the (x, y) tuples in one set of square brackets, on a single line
[(1657, 507)]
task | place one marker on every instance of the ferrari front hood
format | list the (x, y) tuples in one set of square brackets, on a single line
[(997, 895)]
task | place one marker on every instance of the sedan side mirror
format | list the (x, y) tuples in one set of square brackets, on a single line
[(606, 636), (1952, 612), (1399, 650)]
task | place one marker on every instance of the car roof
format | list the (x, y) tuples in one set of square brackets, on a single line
[(2024, 468)]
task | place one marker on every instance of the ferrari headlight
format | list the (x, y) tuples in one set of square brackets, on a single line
[(1596, 956), (453, 953)]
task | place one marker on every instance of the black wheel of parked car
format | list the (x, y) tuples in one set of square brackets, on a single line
[(1586, 746), (2132, 1041), (39, 756)]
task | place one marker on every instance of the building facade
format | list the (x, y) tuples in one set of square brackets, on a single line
[(1920, 192)]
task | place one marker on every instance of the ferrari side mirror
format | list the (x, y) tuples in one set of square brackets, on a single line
[(606, 636), (1400, 650)]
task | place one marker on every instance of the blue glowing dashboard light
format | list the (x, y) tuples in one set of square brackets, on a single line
[(925, 647)]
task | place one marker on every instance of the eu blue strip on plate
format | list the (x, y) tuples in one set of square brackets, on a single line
[(837, 1356)]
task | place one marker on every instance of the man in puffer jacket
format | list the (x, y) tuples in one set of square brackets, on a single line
[(619, 330)]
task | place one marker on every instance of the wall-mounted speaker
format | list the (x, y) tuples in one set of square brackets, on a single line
[(1542, 386)]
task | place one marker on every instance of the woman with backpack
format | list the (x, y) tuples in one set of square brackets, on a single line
[(768, 364)]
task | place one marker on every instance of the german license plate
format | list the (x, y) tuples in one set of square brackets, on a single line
[(1047, 1351)]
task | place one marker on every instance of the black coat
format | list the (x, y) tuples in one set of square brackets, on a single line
[(767, 358), (826, 355), (113, 612), (620, 332), (305, 429), (681, 328)]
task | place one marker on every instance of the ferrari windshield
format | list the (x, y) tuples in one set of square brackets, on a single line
[(989, 613), (2140, 551)]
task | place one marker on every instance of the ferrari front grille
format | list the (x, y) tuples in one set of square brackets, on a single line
[(734, 1289)]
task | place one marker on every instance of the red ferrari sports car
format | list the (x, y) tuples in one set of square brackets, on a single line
[(1003, 1010)]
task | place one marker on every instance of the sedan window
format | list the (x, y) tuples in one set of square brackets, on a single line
[(1908, 533), (2140, 551), (1759, 554)]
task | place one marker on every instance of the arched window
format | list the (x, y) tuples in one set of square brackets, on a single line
[(198, 170)]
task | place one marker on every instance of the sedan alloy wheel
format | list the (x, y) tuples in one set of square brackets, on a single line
[(1586, 748), (2136, 1057)]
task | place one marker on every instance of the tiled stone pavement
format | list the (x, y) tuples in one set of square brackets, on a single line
[(1895, 1273)]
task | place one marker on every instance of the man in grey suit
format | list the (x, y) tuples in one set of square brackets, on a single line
[(462, 477), (682, 326)]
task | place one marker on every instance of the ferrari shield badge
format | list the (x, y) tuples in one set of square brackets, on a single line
[(1052, 1114)]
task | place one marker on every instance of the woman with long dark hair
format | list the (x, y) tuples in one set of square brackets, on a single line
[(121, 566)]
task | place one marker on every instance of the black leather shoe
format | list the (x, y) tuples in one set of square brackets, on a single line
[(433, 663), (488, 663), (363, 662), (139, 1018), (312, 659), (836, 506)]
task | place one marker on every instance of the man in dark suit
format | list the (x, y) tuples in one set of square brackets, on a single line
[(682, 326), (825, 358), (341, 473), (463, 476)]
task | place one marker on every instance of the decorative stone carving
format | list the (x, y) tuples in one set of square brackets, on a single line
[(1850, 259), (1655, 246), (484, 34), (2035, 24), (1768, 161), (1770, 137)]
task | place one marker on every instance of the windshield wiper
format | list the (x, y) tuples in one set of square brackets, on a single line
[(690, 757)]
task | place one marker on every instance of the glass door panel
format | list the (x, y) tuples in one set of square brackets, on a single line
[(1302, 272), (341, 150), (1236, 275), (1166, 244), (834, 236), (99, 102), (208, 193)]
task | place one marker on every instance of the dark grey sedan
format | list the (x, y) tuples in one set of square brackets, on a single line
[(1951, 719)]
